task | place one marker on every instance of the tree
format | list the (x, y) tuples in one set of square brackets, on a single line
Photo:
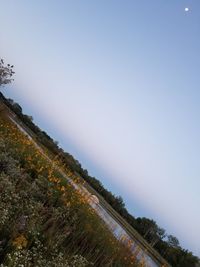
[(17, 108), (120, 203), (6, 73), (173, 241), (148, 228), (161, 233)]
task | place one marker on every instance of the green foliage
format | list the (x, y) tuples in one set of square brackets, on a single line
[(155, 235), (173, 241), (44, 222)]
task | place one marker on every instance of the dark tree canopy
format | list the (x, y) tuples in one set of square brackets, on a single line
[(6, 73), (173, 241)]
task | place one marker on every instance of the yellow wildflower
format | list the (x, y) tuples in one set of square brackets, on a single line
[(20, 242)]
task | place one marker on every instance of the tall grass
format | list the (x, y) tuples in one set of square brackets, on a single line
[(43, 220)]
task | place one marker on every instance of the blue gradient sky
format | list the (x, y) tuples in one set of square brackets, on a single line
[(117, 83)]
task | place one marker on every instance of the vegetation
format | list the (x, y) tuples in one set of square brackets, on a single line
[(155, 235), (167, 245), (6, 73), (44, 221)]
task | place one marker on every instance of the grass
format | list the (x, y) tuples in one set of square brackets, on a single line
[(44, 221), (129, 229)]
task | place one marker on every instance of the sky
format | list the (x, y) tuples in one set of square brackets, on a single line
[(117, 83)]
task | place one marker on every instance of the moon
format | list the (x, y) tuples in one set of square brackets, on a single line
[(187, 9)]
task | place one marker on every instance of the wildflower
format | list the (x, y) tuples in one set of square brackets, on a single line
[(62, 188), (20, 242)]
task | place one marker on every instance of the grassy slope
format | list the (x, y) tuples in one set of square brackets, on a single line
[(119, 219), (129, 229), (45, 214)]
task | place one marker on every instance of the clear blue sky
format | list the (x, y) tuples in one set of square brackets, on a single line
[(117, 83)]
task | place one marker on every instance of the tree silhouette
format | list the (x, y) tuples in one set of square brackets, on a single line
[(173, 241), (6, 73)]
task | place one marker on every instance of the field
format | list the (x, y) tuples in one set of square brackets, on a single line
[(143, 244), (44, 221)]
